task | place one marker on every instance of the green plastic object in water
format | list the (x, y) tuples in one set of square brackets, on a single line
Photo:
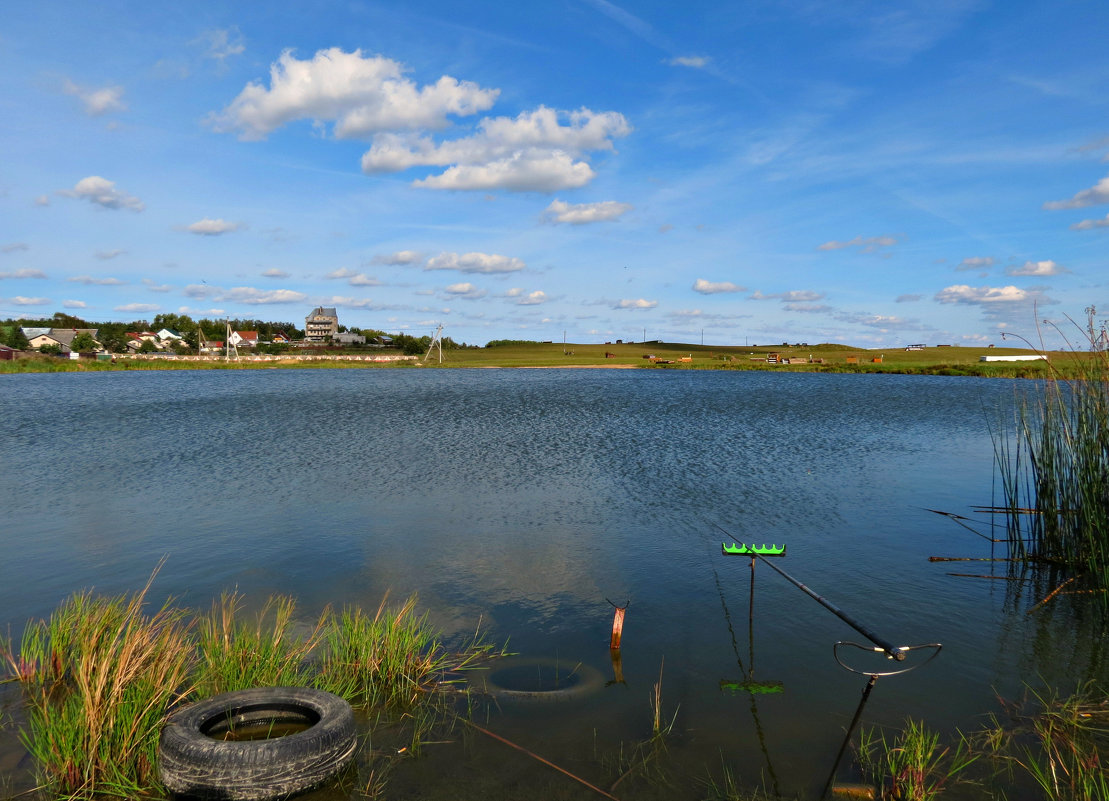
[(753, 687), (755, 550)]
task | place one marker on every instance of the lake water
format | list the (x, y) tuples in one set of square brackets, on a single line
[(526, 500)]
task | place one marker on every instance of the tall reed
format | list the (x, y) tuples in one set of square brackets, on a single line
[(913, 767), (391, 658), (98, 678), (1054, 469), (236, 654)]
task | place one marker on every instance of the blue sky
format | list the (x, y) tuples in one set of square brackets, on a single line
[(870, 173)]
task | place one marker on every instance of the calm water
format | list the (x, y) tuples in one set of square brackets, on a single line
[(525, 499)]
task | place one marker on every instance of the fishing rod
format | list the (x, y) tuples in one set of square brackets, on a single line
[(761, 552)]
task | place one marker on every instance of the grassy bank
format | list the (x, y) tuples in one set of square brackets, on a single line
[(100, 675), (651, 355)]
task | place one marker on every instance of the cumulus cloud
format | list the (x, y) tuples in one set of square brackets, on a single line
[(716, 287), (361, 279), (14, 247), (74, 304), (474, 263), (399, 258), (103, 192), (908, 298), (351, 303), (697, 62), (20, 300), (538, 151), (865, 244), (152, 287), (42, 200), (465, 291), (210, 227), (1087, 225), (97, 101), (274, 272), (1037, 268), (636, 304), (1094, 196), (105, 255), (245, 294), (138, 308), (580, 213), (258, 297), (801, 296), (975, 263), (524, 298), (92, 280), (961, 293), (24, 273), (360, 95)]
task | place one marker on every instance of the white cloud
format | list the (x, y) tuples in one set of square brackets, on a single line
[(975, 263), (398, 258), (19, 300), (14, 247), (361, 279), (210, 227), (636, 304), (42, 200), (138, 308), (1087, 225), (524, 298), (274, 272), (908, 298), (91, 280), (222, 43), (350, 303), (1037, 268), (534, 152), (801, 296), (152, 287), (74, 304), (24, 273), (689, 61), (105, 255), (807, 308), (474, 263), (716, 287), (866, 244), (581, 213), (257, 297), (466, 291), (97, 101), (361, 95), (961, 293), (342, 272), (1094, 196), (103, 192)]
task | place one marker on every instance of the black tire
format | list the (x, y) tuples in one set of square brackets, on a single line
[(193, 764), (585, 680)]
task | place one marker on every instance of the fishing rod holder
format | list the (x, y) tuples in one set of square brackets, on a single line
[(901, 652)]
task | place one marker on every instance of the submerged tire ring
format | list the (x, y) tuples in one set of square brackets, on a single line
[(193, 764), (585, 680)]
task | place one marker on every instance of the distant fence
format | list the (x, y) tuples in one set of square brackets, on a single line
[(266, 357)]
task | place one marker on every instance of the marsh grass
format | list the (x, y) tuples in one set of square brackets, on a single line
[(236, 654), (1061, 743), (392, 658), (1054, 470), (99, 676), (913, 766)]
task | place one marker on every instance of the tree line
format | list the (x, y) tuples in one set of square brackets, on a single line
[(112, 336)]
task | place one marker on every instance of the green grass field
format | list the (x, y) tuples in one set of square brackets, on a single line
[(940, 360)]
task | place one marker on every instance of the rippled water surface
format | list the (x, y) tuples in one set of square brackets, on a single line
[(527, 499)]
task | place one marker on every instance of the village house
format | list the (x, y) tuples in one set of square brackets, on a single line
[(321, 325), (61, 337), (248, 339)]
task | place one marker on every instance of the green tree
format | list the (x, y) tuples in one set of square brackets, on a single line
[(50, 350), (84, 343), (148, 346)]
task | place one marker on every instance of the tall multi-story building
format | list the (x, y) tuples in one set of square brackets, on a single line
[(321, 324)]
